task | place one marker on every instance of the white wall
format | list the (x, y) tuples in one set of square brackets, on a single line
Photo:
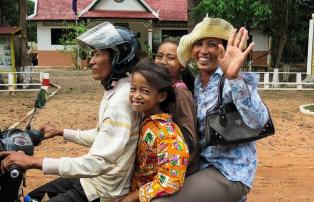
[(44, 37), (130, 5), (260, 40)]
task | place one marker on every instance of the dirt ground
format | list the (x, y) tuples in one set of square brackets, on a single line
[(285, 170)]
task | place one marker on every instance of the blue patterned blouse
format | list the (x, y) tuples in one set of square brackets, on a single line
[(236, 162)]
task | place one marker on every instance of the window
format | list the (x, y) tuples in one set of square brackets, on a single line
[(172, 33), (58, 34), (122, 24)]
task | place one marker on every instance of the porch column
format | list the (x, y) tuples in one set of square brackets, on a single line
[(310, 50), (150, 37)]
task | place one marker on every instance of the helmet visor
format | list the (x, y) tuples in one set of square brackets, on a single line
[(102, 36)]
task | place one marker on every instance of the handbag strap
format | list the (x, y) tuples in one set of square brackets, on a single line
[(220, 107), (220, 90)]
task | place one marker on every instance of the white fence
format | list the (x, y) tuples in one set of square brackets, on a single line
[(32, 81), (284, 81), (268, 81)]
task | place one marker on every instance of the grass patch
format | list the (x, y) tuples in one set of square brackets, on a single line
[(310, 108)]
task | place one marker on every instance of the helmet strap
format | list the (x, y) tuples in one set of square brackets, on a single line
[(111, 82)]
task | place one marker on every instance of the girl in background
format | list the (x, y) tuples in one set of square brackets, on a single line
[(162, 154), (183, 109)]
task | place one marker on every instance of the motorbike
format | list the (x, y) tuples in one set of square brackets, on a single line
[(15, 139)]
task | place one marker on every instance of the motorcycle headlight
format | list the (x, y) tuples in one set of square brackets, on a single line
[(21, 139)]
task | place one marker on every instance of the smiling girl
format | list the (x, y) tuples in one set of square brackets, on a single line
[(162, 154)]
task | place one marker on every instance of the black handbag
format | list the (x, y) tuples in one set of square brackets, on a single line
[(225, 125)]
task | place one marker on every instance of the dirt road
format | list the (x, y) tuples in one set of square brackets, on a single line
[(285, 170)]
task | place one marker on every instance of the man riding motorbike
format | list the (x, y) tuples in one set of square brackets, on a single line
[(104, 172)]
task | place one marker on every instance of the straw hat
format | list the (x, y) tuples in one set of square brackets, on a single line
[(209, 27)]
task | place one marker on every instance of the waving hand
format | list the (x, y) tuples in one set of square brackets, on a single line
[(233, 58)]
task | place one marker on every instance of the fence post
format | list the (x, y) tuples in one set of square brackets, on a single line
[(266, 80), (44, 81), (11, 82), (299, 81), (275, 78), (41, 77)]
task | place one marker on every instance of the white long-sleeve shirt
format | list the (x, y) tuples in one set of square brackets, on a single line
[(106, 169)]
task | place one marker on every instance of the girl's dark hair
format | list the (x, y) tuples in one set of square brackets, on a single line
[(158, 77), (186, 75)]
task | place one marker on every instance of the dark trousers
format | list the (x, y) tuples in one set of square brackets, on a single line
[(208, 185), (61, 190)]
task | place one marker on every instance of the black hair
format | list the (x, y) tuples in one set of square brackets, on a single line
[(158, 77), (169, 40), (186, 75)]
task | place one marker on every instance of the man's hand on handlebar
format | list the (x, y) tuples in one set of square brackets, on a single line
[(20, 159), (50, 131)]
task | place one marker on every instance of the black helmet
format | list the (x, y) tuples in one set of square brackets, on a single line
[(123, 43), (129, 51)]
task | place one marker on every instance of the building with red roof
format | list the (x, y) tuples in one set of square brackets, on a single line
[(7, 51), (152, 20)]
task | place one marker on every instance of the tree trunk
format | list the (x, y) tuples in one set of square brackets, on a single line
[(24, 57), (192, 21), (280, 44), (1, 12), (279, 27), (270, 54)]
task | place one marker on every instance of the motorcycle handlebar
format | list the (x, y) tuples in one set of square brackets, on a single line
[(14, 171)]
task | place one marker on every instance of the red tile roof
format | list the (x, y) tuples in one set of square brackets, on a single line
[(58, 9), (169, 10), (9, 30)]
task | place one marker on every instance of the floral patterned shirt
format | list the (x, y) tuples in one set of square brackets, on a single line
[(162, 158), (236, 162)]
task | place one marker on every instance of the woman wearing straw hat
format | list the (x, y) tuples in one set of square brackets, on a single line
[(227, 172)]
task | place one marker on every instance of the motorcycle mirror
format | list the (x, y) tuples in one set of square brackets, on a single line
[(41, 99), (40, 102)]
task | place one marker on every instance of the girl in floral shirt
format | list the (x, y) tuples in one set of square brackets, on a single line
[(162, 154)]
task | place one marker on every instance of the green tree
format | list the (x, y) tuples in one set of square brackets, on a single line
[(9, 15), (286, 21), (192, 19), (13, 13), (31, 25), (278, 27), (248, 13), (297, 31), (69, 43), (10, 9), (289, 29), (9, 12)]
